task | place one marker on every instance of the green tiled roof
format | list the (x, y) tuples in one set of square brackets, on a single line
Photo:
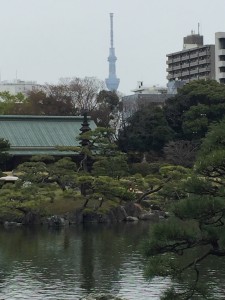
[(31, 135)]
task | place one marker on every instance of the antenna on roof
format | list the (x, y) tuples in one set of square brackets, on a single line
[(198, 28)]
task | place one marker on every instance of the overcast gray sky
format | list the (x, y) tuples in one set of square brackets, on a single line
[(44, 40)]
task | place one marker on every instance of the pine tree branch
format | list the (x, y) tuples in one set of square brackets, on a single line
[(151, 191)]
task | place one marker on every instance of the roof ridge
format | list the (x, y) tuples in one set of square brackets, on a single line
[(40, 117)]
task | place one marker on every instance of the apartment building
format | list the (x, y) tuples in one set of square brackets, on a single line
[(195, 61), (220, 56)]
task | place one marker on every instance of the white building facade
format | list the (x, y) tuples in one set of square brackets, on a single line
[(220, 57), (18, 86)]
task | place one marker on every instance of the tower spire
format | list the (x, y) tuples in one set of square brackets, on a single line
[(112, 82), (111, 30)]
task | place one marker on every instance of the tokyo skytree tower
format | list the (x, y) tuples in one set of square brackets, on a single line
[(112, 82)]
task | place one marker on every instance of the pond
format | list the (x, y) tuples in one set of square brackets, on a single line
[(69, 263)]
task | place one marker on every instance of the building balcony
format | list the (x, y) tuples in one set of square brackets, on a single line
[(185, 57), (221, 52), (221, 63), (169, 61), (203, 61), (204, 69), (176, 68), (194, 55), (194, 77), (176, 59), (202, 53), (194, 63), (185, 66), (193, 71), (170, 69), (177, 74), (170, 76), (221, 75), (204, 77), (185, 73)]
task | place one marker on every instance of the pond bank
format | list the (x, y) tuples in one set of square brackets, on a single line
[(131, 212)]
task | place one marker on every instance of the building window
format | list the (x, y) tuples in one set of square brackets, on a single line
[(222, 43), (222, 57)]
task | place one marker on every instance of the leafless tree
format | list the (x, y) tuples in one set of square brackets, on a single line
[(181, 152), (83, 91)]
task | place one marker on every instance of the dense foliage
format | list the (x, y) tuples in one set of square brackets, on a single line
[(197, 222), (145, 130), (178, 126)]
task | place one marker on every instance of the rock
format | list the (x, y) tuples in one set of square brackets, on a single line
[(31, 219), (12, 224), (155, 207), (133, 209), (117, 214), (75, 217), (149, 216), (56, 221), (160, 213), (131, 219), (146, 203), (114, 215), (167, 214), (93, 217), (101, 297)]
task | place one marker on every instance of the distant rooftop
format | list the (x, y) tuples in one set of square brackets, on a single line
[(17, 81), (155, 89), (32, 135)]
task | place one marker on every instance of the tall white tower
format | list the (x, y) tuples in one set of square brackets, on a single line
[(112, 82)]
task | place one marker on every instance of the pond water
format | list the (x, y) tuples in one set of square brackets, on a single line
[(73, 262)]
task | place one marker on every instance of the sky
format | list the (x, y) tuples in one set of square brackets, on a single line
[(45, 40)]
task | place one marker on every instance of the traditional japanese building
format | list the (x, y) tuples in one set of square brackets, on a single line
[(41, 135)]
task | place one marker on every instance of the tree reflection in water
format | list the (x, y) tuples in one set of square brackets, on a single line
[(83, 259)]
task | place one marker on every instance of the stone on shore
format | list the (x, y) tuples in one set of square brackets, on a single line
[(131, 219), (149, 217), (101, 297)]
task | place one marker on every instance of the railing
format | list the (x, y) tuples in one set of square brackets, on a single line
[(169, 61), (185, 73), (185, 66), (193, 71), (176, 67), (193, 55), (221, 63), (202, 61), (194, 63), (176, 59), (203, 53), (221, 52), (185, 57)]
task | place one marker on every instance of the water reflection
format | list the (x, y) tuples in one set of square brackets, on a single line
[(40, 263)]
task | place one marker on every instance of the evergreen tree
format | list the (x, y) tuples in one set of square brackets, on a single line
[(197, 222)]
